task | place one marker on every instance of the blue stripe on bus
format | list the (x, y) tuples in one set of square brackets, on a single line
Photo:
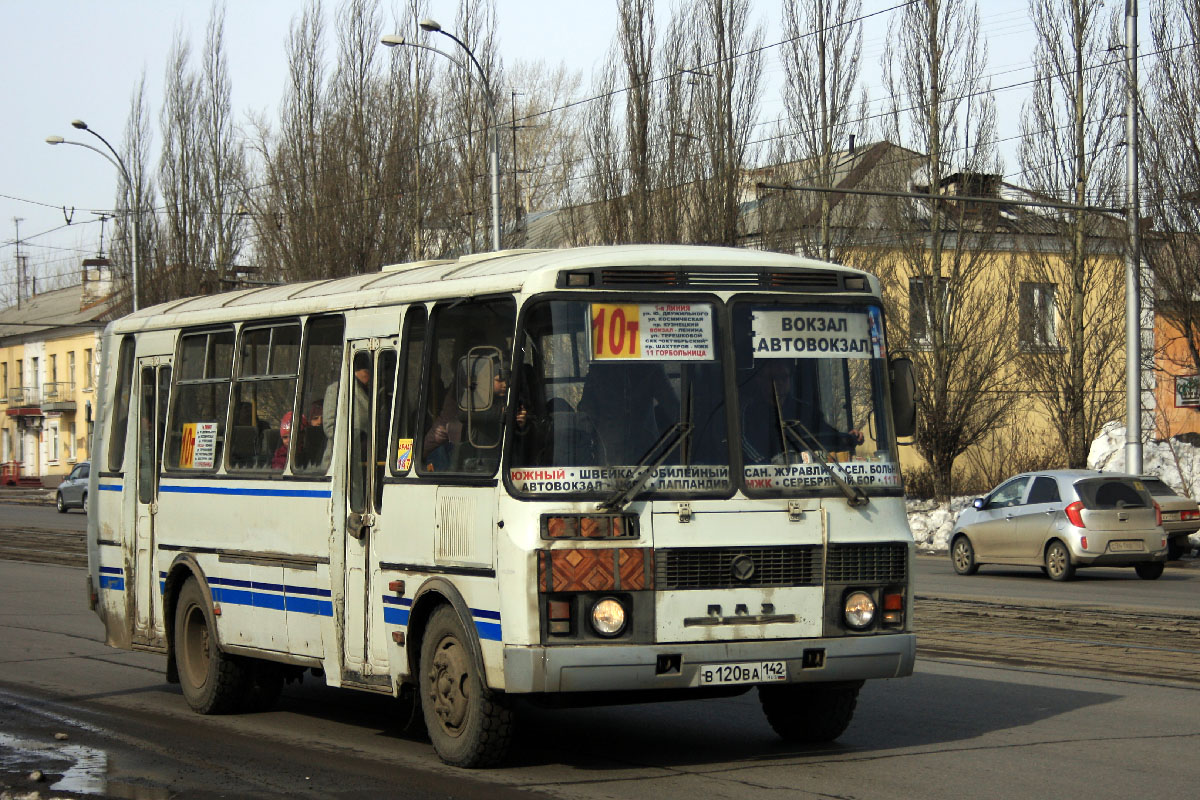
[(109, 487), (274, 596), (113, 582), (306, 605), (246, 492), (396, 611), (113, 570)]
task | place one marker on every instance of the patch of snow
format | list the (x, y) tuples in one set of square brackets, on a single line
[(931, 522)]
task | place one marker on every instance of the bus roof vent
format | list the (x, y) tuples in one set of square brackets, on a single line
[(822, 281), (639, 277)]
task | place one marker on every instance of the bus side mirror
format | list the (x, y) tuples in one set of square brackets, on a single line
[(476, 373), (904, 396)]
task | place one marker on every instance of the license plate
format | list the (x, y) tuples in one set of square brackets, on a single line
[(1170, 516), (1126, 545), (747, 672)]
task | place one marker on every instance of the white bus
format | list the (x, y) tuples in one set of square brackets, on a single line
[(570, 476)]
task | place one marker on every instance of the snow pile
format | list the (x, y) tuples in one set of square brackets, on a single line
[(931, 522), (1176, 462)]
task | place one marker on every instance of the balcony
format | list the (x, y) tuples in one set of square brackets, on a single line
[(23, 401), (58, 396)]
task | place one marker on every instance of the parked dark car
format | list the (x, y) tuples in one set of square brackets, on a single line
[(73, 491), (1061, 520)]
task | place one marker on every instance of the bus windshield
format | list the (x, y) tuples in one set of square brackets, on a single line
[(616, 396)]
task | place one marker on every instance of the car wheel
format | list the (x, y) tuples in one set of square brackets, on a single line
[(469, 725), (1149, 571), (962, 555), (1058, 562), (59, 503), (85, 503), (212, 682), (808, 714)]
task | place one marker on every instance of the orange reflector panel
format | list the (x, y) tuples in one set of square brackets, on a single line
[(594, 570), (893, 602)]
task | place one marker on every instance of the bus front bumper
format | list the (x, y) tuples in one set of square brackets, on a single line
[(602, 668)]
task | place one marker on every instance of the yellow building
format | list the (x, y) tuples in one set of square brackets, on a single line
[(48, 355)]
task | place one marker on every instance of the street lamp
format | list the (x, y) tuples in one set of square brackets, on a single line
[(119, 163), (431, 26)]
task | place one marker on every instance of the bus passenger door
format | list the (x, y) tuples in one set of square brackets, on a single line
[(154, 383), (372, 383)]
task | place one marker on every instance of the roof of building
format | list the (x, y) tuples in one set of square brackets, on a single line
[(54, 310)]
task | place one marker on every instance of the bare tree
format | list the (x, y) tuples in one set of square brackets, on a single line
[(183, 252), (825, 111), (1070, 148), (728, 52), (1172, 166), (940, 286), (135, 203)]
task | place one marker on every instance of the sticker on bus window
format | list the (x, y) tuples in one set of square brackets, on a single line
[(404, 451), (199, 446), (792, 333), (652, 331)]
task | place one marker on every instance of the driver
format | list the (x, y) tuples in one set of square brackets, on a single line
[(770, 394)]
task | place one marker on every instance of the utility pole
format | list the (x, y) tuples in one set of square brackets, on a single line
[(20, 259), (1133, 255)]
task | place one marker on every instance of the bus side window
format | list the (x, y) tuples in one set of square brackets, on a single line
[(264, 426), (322, 366), (409, 387), (120, 408), (199, 407), (460, 439)]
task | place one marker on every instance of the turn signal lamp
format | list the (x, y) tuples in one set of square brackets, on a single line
[(1186, 515), (1157, 513), (893, 609), (1074, 514)]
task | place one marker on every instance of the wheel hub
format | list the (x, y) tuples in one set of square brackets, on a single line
[(449, 684)]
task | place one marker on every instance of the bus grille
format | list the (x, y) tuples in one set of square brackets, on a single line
[(867, 563), (727, 567)]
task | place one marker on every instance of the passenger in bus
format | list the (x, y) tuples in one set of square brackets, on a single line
[(446, 433), (360, 406), (279, 458), (767, 401), (629, 405)]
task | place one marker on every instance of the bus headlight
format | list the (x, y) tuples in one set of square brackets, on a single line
[(859, 610), (608, 616)]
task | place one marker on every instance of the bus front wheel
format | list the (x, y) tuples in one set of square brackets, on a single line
[(212, 682), (809, 713), (469, 725)]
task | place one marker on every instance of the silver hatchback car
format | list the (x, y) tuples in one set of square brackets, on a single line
[(1061, 520), (73, 491)]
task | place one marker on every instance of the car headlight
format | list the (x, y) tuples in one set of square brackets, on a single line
[(608, 616), (859, 610)]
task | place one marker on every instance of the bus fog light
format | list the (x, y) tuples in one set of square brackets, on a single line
[(608, 617), (859, 610)]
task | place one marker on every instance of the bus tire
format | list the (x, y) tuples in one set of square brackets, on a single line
[(809, 713), (212, 682), (469, 725)]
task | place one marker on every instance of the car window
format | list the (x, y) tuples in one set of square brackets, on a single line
[(1044, 490), (1009, 494), (75, 474), (84, 471), (1103, 494)]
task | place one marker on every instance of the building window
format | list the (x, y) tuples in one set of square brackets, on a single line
[(53, 454), (1038, 316), (71, 370), (4, 384), (87, 368), (926, 313), (72, 453)]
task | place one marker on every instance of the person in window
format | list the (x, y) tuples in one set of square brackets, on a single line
[(448, 428), (279, 459), (768, 395), (630, 405), (360, 407)]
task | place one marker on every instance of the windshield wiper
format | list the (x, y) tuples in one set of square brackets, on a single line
[(650, 461), (855, 496)]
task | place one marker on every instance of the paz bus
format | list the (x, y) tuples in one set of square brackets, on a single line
[(563, 477)]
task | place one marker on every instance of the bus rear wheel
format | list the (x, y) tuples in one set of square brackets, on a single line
[(469, 725), (212, 682), (809, 713)]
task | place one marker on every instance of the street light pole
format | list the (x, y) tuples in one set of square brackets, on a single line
[(432, 26), (119, 163)]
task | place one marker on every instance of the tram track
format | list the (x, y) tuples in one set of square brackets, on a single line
[(1104, 640)]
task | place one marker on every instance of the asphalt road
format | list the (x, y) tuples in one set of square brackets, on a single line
[(954, 730)]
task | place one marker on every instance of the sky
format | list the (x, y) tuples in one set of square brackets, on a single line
[(73, 59)]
